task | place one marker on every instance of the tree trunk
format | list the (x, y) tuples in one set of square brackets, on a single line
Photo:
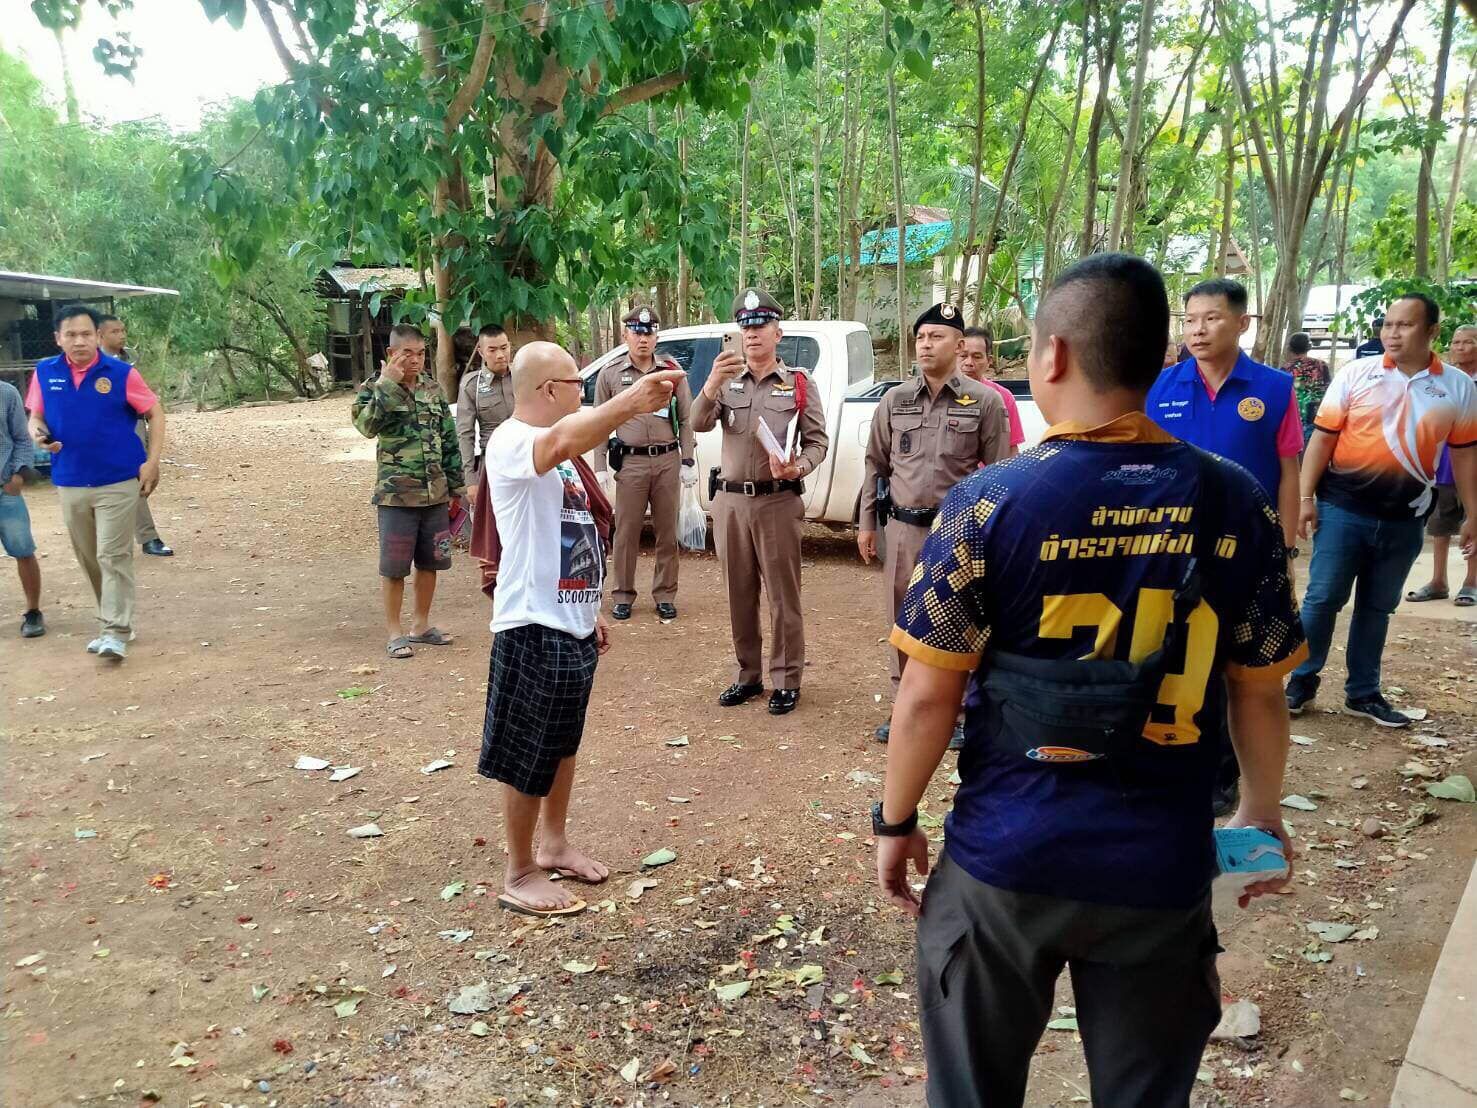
[(743, 266), (1106, 55), (815, 180), (1425, 186), (1123, 198), (967, 250), (1339, 270), (367, 368), (904, 344), (1228, 198), (1049, 235), (1458, 168), (684, 270)]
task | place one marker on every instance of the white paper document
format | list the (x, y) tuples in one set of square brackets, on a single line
[(772, 444)]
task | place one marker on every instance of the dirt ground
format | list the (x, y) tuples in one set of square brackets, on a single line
[(188, 920)]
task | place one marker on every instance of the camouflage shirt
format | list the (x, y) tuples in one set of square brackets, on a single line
[(417, 461)]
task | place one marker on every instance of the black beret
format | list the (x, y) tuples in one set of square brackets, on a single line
[(945, 314)]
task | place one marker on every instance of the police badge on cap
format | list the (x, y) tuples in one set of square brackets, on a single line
[(642, 321), (945, 314), (755, 307)]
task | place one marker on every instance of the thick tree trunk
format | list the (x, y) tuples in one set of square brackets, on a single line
[(1123, 198), (1425, 185)]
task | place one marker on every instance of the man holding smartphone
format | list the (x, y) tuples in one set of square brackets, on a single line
[(757, 509), (419, 470)]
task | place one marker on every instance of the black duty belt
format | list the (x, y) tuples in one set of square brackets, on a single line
[(646, 451), (758, 488), (918, 517)]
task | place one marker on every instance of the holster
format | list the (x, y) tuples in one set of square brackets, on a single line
[(615, 455), (712, 483), (884, 502)]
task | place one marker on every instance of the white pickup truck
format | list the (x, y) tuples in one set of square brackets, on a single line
[(838, 355)]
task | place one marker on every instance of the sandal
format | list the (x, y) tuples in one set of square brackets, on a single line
[(1426, 592), (399, 647), (557, 874), (1465, 597), (432, 636), (510, 903)]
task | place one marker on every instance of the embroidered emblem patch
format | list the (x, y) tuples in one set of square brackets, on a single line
[(1251, 409), (103, 385)]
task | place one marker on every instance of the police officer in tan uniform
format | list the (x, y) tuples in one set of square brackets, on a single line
[(928, 434), (757, 504), (645, 455), (485, 396)]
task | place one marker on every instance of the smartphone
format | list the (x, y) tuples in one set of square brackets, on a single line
[(731, 344)]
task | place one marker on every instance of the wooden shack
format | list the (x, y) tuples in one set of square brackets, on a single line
[(355, 339)]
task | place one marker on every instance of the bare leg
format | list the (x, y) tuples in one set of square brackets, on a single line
[(554, 849), (523, 878), (29, 570), (393, 591), (425, 589), (1440, 547), (1471, 581)]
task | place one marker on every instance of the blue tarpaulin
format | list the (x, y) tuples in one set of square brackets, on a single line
[(922, 241)]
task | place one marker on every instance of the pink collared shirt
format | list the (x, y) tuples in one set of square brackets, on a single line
[(140, 397)]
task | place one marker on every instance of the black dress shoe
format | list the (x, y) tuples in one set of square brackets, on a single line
[(666, 611), (883, 733), (157, 548), (783, 701), (620, 611), (737, 694)]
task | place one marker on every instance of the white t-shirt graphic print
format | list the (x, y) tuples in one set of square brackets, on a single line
[(552, 570)]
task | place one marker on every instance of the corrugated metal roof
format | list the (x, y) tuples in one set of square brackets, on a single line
[(371, 279), (41, 286), (921, 242)]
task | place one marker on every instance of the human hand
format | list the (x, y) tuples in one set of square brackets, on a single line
[(607, 483), (602, 636), (655, 389), (148, 477), (1467, 538), (726, 366), (894, 852), (1274, 824), (1308, 519), (866, 543), (397, 368), (784, 471), (14, 485), (41, 436)]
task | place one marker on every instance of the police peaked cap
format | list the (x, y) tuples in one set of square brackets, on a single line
[(755, 307), (945, 314), (642, 321)]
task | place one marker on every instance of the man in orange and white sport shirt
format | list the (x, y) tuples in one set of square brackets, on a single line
[(1367, 482)]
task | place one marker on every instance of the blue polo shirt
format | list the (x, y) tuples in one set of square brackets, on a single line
[(1241, 423)]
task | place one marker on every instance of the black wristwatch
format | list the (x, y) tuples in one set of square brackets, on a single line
[(892, 830), (1292, 551)]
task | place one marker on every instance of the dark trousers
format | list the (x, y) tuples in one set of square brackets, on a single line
[(1147, 992)]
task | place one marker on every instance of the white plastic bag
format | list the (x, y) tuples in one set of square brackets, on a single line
[(692, 521)]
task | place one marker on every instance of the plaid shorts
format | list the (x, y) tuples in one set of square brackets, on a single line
[(538, 686)]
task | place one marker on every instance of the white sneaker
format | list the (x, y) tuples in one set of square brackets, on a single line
[(113, 649), (95, 645)]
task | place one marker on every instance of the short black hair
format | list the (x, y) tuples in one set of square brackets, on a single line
[(105, 317), (406, 331), (1233, 291), (72, 311), (490, 331), (1299, 343), (1113, 310), (981, 331), (1433, 309)]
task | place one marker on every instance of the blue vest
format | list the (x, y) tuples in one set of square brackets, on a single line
[(93, 422), (1241, 423)]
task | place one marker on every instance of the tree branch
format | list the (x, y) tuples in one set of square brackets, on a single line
[(289, 63), (462, 102), (651, 88)]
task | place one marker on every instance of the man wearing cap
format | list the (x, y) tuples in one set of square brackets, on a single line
[(928, 434), (484, 398), (757, 506), (644, 457)]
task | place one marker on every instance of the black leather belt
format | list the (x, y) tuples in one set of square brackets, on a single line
[(918, 517), (646, 451), (758, 488)]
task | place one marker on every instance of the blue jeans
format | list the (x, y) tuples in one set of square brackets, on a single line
[(1372, 557)]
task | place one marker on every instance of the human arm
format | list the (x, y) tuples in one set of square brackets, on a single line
[(1315, 461), (707, 406), (877, 464), (589, 427), (1017, 432), (451, 453), (15, 443), (1287, 499), (686, 440), (466, 422), (811, 435), (923, 717), (148, 473), (1464, 469), (603, 392), (994, 429), (382, 403)]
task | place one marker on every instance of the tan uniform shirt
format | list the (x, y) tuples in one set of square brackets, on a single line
[(744, 401), (924, 445), (648, 428), (483, 400)]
